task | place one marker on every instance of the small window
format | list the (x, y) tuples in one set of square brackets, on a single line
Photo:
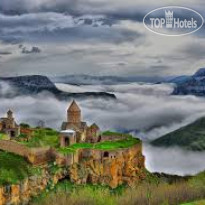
[(106, 154)]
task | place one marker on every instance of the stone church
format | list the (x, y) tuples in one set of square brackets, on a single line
[(78, 130), (9, 126)]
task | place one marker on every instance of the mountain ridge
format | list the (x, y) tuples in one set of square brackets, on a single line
[(190, 137), (190, 85), (35, 84), (105, 80)]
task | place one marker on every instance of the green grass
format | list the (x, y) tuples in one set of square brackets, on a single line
[(147, 192), (3, 136), (79, 194), (108, 145), (117, 144), (42, 138), (65, 150), (191, 137), (202, 202), (13, 168)]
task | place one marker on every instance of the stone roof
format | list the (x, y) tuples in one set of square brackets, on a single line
[(10, 112), (83, 125), (3, 118), (94, 126), (64, 125), (74, 107), (68, 131), (77, 127)]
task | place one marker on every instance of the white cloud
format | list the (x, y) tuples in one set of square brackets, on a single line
[(146, 108), (50, 21), (173, 160), (125, 48)]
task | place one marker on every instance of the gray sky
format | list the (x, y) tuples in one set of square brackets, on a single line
[(98, 37)]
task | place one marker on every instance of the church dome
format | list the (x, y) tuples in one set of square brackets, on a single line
[(94, 126), (74, 107)]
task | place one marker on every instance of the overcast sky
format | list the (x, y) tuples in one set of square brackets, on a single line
[(98, 37)]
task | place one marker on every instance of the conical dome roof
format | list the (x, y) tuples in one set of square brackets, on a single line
[(9, 111), (74, 107), (94, 126)]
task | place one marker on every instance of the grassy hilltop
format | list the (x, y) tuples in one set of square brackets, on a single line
[(191, 137)]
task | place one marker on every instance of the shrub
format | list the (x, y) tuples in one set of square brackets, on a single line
[(13, 168), (24, 125), (147, 193)]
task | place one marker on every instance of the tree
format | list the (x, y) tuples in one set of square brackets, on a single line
[(24, 125)]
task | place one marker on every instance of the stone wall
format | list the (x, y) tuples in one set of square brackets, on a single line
[(112, 138), (40, 156), (14, 147), (36, 156)]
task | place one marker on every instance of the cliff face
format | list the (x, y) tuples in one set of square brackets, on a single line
[(113, 168), (30, 187)]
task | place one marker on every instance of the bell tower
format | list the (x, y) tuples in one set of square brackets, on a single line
[(74, 113), (10, 115)]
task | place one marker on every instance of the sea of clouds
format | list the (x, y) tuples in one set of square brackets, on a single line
[(146, 110)]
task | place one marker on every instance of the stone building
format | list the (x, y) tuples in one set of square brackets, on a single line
[(93, 133), (67, 138), (9, 126), (83, 132)]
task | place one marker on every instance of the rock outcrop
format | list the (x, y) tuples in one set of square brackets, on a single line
[(113, 168), (103, 167), (21, 193)]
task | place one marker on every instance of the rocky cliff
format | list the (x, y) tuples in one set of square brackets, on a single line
[(22, 192), (113, 168)]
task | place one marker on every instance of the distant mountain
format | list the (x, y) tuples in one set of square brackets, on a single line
[(31, 84), (190, 85), (35, 84), (191, 137), (200, 73), (104, 80), (179, 79)]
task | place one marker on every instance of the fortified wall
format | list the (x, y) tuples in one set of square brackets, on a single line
[(105, 138), (14, 147), (36, 156)]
